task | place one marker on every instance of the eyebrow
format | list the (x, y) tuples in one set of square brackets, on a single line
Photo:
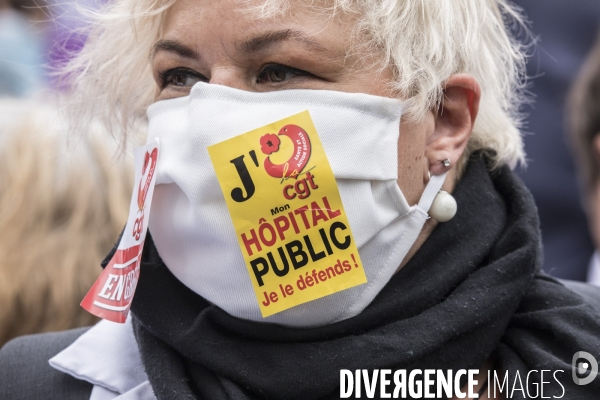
[(173, 46), (253, 45), (264, 41)]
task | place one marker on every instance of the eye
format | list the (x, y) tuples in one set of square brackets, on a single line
[(180, 77), (277, 73)]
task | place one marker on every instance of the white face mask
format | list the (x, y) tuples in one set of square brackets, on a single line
[(190, 222)]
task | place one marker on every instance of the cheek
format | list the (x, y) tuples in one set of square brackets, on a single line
[(412, 163)]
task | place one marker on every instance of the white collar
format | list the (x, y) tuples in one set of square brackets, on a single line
[(107, 355)]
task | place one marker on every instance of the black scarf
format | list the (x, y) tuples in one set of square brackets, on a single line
[(473, 292)]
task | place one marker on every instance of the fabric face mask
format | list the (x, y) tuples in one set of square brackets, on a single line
[(191, 224)]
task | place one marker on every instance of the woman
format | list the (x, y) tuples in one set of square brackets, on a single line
[(54, 222), (231, 79)]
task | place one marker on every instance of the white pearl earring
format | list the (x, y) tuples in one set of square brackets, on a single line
[(443, 208)]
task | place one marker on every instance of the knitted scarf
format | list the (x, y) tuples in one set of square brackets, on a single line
[(473, 292)]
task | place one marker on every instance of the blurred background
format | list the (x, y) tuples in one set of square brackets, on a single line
[(63, 202), (566, 31), (37, 36)]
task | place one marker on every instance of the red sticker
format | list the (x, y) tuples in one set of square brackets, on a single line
[(110, 296)]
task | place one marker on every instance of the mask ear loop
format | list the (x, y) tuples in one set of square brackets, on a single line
[(431, 190), (440, 205)]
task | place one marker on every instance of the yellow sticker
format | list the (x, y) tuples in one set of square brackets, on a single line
[(287, 213)]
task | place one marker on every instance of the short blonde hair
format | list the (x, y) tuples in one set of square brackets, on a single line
[(61, 209), (424, 41)]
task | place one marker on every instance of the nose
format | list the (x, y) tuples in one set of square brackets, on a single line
[(230, 76)]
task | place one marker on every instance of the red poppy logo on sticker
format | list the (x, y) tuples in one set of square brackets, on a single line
[(147, 174), (270, 143), (110, 296)]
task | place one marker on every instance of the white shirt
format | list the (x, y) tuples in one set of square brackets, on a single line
[(108, 357)]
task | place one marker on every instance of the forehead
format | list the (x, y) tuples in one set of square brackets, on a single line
[(230, 24)]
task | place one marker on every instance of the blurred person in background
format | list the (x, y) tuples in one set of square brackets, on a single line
[(61, 208), (36, 38), (566, 31), (66, 34), (584, 124), (23, 46)]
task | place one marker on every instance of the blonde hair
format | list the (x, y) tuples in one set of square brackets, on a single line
[(61, 209), (424, 41)]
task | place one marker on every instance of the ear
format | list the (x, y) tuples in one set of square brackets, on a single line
[(453, 122)]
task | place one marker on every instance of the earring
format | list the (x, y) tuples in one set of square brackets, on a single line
[(446, 163), (443, 208)]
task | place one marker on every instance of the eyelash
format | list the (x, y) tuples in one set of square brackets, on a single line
[(166, 77), (282, 68)]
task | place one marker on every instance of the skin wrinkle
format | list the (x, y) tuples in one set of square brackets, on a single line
[(254, 44), (262, 42), (173, 47)]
